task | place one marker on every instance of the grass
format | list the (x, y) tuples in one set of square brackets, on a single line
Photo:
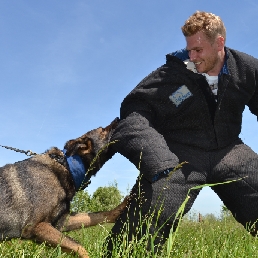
[(213, 237)]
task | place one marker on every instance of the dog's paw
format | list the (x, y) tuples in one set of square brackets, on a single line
[(115, 213)]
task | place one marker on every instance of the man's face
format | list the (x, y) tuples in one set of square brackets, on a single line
[(204, 53)]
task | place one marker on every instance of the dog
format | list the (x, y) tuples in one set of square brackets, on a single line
[(36, 192)]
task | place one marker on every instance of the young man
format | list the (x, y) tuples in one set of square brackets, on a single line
[(177, 114)]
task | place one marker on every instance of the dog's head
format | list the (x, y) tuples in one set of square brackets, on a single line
[(93, 147)]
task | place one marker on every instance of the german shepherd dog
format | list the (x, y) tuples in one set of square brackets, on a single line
[(36, 192)]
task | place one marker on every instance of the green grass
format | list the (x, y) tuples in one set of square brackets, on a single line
[(213, 237)]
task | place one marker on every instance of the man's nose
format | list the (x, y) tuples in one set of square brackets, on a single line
[(192, 55)]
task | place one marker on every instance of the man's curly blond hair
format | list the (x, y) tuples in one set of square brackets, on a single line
[(210, 24)]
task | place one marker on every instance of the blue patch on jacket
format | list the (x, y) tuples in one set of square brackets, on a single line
[(181, 94)]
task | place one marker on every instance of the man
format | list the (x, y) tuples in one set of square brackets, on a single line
[(177, 114)]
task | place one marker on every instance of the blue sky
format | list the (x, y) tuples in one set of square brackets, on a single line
[(67, 65)]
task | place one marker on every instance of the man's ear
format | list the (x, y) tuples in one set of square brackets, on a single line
[(220, 42)]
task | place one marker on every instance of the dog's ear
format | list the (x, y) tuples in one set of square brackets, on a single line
[(79, 147)]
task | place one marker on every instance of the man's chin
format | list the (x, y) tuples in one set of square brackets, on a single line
[(200, 70)]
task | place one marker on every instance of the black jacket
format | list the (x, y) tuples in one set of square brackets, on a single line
[(175, 105)]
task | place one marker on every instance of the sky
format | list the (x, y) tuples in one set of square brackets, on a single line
[(66, 66)]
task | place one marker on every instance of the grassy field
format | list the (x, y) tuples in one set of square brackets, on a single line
[(213, 237)]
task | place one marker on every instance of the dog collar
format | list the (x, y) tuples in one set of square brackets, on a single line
[(77, 170)]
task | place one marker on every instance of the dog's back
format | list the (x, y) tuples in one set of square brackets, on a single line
[(32, 190)]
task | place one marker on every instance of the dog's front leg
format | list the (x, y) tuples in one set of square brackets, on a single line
[(45, 232), (91, 219)]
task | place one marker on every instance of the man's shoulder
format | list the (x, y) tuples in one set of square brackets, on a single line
[(174, 71), (238, 55), (241, 65)]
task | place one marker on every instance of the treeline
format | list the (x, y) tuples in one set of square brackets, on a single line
[(108, 197), (103, 199)]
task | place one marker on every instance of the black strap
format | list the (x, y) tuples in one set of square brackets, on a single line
[(161, 174)]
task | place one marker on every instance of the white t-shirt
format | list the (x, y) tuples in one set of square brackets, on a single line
[(213, 82)]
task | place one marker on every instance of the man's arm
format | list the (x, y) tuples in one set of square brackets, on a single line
[(138, 140)]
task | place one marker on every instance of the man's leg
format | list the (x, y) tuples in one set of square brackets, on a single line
[(241, 197), (156, 204)]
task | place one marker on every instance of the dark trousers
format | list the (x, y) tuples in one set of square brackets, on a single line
[(235, 162)]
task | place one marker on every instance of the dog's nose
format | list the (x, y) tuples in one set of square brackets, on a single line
[(115, 122)]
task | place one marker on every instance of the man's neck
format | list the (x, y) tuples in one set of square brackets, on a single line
[(219, 65)]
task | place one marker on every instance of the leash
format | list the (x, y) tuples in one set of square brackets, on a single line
[(73, 163), (28, 152)]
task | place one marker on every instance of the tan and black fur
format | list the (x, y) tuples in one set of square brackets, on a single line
[(36, 193)]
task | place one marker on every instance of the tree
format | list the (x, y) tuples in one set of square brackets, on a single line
[(106, 198), (81, 202), (103, 199), (225, 212)]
